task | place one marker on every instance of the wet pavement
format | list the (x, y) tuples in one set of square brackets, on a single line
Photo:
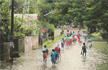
[(71, 59)]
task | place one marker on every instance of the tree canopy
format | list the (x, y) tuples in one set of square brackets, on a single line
[(90, 13)]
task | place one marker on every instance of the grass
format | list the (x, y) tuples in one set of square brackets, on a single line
[(21, 53), (103, 48), (83, 29), (100, 45), (49, 43), (97, 39), (95, 34)]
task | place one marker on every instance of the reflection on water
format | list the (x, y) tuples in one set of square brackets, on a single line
[(71, 60), (53, 67), (84, 60), (44, 66)]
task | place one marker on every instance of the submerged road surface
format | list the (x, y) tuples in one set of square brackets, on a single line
[(71, 59)]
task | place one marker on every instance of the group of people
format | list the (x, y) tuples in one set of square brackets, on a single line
[(67, 41), (71, 38), (54, 54)]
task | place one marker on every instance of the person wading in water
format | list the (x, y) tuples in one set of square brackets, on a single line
[(83, 51), (53, 56), (45, 53), (57, 49)]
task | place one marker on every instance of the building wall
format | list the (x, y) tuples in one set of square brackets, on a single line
[(31, 42)]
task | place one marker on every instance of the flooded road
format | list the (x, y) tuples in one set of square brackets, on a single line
[(71, 59)]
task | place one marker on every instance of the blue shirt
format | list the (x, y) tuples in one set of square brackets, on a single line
[(54, 55)]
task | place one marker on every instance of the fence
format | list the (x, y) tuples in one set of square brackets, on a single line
[(31, 42), (5, 50), (19, 45)]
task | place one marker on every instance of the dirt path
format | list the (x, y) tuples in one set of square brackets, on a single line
[(70, 60)]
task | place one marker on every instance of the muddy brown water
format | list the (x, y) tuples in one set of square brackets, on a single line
[(71, 59)]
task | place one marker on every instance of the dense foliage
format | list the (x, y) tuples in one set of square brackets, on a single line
[(90, 13), (20, 31)]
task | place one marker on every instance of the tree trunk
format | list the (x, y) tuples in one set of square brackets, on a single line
[(23, 10), (89, 31), (107, 38), (9, 5), (94, 29)]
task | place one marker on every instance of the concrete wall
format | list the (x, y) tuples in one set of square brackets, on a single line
[(31, 42), (5, 50), (57, 32), (19, 45)]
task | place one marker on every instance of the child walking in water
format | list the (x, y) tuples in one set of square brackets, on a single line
[(90, 43), (83, 51)]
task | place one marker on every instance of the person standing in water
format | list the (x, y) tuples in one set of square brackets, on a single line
[(64, 40), (78, 33), (71, 41), (76, 39), (53, 56), (57, 49), (45, 53), (62, 43), (70, 33), (83, 51), (67, 41), (85, 36), (79, 38), (90, 43)]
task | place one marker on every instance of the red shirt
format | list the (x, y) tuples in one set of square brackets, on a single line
[(57, 50), (78, 36)]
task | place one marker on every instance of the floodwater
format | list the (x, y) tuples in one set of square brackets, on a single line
[(71, 59)]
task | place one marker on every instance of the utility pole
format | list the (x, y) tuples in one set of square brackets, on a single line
[(0, 40), (12, 20), (41, 36), (28, 13), (9, 6), (23, 10)]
